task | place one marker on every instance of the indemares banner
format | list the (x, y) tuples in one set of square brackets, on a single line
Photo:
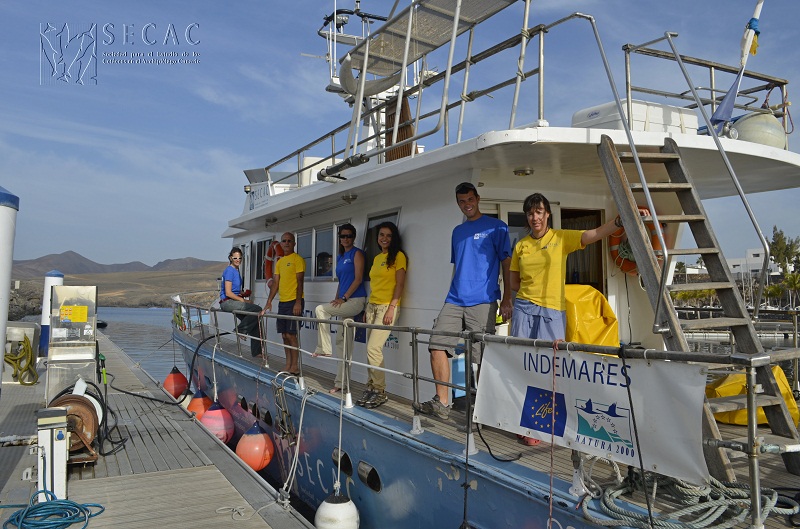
[(580, 401)]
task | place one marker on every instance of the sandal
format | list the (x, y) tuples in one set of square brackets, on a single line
[(334, 390)]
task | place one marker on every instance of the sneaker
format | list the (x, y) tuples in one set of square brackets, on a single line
[(364, 397), (434, 407), (375, 399)]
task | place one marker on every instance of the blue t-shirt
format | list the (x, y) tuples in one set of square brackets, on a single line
[(346, 272), (477, 248), (231, 274)]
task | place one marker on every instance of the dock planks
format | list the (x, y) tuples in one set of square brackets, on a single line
[(168, 471)]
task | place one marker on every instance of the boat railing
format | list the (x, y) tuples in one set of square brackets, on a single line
[(368, 135), (202, 323), (764, 85)]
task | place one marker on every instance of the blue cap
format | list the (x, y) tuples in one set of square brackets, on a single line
[(8, 199)]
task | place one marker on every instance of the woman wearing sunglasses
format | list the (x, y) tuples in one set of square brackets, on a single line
[(351, 299), (233, 298)]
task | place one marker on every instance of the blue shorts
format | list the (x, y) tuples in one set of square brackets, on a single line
[(286, 308), (529, 320)]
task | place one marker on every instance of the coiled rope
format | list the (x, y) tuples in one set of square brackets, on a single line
[(51, 514), (23, 362), (720, 505)]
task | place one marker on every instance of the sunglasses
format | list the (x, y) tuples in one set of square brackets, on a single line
[(287, 240), (236, 258), (346, 236)]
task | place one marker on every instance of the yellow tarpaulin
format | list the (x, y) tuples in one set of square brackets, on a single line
[(735, 385), (590, 319)]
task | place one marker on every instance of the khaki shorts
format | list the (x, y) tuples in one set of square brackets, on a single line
[(453, 318)]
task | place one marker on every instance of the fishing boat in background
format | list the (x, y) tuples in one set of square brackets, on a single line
[(637, 403)]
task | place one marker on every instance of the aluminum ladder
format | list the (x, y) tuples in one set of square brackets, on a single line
[(736, 319)]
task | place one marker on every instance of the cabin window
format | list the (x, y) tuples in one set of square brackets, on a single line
[(323, 247), (260, 254), (304, 248), (371, 236)]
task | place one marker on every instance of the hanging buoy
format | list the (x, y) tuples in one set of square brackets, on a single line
[(336, 512), (255, 447), (175, 383), (219, 422), (199, 404)]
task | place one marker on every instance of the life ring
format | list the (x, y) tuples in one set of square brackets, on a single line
[(274, 252), (619, 241)]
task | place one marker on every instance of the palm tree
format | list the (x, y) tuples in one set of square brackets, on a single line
[(792, 283), (774, 291)]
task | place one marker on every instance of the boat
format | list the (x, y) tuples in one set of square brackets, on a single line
[(410, 140)]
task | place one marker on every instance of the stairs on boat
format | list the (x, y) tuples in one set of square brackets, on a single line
[(735, 317)]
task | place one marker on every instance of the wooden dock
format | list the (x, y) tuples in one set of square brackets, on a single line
[(169, 471)]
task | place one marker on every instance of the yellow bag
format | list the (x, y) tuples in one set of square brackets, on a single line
[(735, 385), (590, 319)]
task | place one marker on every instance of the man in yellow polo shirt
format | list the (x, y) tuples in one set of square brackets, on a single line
[(287, 282)]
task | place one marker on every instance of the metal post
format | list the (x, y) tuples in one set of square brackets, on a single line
[(466, 83), (795, 374), (520, 62), (752, 454), (469, 448), (416, 425)]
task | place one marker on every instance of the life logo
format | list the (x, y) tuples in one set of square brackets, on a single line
[(68, 52)]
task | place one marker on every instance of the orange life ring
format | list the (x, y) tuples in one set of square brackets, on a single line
[(274, 252), (618, 238)]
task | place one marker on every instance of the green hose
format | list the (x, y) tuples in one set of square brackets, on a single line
[(23, 362)]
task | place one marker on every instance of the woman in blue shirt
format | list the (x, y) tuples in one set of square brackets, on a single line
[(351, 299), (232, 298)]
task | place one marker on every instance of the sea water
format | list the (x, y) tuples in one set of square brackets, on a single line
[(145, 334)]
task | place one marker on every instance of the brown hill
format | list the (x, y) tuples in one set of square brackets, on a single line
[(151, 288), (74, 263)]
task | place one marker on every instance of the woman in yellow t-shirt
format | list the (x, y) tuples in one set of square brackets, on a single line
[(539, 269), (387, 279), (538, 274)]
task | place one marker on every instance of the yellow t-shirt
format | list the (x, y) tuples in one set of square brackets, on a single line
[(542, 266), (288, 267), (382, 279)]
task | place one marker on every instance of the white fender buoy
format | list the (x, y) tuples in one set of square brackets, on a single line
[(761, 128), (336, 512)]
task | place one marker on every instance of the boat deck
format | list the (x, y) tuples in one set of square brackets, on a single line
[(169, 471), (506, 445)]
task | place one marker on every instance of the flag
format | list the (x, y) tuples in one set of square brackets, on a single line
[(538, 411), (724, 111)]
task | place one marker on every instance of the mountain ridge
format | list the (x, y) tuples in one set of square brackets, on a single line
[(73, 263)]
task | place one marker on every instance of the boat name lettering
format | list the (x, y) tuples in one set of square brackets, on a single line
[(607, 446), (603, 372), (190, 34)]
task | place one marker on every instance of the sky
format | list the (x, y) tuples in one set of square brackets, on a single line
[(146, 164)]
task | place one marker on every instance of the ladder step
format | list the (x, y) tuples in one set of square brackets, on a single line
[(693, 251), (693, 287), (650, 157), (739, 402), (675, 218), (712, 323), (663, 186)]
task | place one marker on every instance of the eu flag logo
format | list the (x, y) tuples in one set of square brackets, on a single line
[(539, 413)]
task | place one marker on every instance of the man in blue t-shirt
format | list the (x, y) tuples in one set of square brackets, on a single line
[(480, 247)]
